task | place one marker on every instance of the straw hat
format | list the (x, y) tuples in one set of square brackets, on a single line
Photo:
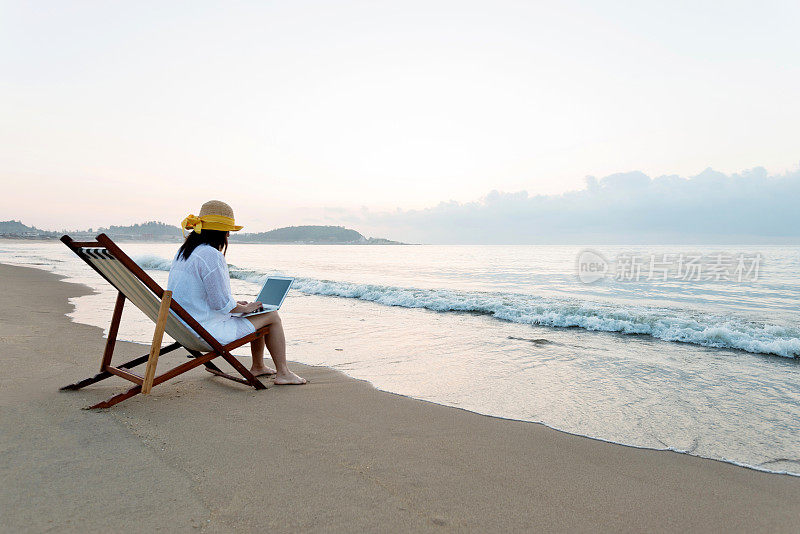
[(216, 207), (214, 215)]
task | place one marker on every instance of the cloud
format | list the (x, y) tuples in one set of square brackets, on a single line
[(711, 207)]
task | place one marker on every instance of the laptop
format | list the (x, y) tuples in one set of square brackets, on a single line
[(271, 295)]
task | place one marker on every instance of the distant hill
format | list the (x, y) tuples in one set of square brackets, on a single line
[(318, 235), (302, 234), (15, 229), (148, 230), (9, 227), (159, 231)]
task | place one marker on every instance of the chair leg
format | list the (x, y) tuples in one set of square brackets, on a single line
[(91, 380), (117, 398), (155, 347), (128, 365), (244, 371), (112, 331), (214, 370), (204, 359), (210, 367), (217, 372), (172, 373)]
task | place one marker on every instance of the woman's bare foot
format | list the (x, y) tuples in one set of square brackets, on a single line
[(262, 371), (289, 378)]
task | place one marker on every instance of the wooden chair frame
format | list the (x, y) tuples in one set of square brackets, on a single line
[(150, 379)]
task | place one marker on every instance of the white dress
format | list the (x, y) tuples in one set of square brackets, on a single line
[(202, 285)]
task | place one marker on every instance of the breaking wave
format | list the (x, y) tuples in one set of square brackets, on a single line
[(152, 262), (684, 326)]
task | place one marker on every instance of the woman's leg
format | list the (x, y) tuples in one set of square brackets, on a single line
[(257, 350), (276, 345)]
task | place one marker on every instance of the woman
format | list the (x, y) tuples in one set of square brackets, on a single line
[(200, 282)]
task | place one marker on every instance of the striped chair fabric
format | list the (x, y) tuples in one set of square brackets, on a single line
[(141, 297)]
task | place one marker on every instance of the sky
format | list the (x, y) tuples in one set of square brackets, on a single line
[(373, 113), (753, 207)]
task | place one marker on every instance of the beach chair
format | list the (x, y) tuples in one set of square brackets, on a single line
[(133, 284)]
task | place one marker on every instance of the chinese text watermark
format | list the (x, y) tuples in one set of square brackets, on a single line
[(691, 267)]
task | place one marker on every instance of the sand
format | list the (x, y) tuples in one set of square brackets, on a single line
[(203, 453)]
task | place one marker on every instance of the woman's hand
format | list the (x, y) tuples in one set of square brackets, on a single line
[(246, 307), (253, 306)]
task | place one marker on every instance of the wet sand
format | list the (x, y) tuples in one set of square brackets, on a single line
[(203, 453)]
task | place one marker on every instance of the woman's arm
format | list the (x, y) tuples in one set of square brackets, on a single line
[(218, 287)]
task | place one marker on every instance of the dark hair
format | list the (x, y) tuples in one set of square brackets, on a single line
[(216, 238)]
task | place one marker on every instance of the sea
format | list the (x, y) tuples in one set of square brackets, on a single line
[(689, 349)]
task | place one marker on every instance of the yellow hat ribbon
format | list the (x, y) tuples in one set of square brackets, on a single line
[(209, 222)]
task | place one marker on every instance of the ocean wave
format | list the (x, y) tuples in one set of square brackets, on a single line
[(682, 326), (152, 262)]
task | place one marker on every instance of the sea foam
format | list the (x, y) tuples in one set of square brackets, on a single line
[(684, 326)]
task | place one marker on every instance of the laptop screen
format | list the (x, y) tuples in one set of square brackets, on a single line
[(274, 290)]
